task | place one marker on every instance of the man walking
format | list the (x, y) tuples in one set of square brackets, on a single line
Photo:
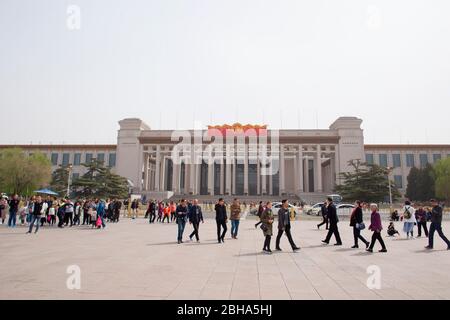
[(37, 213), (260, 212), (436, 225), (181, 214), (221, 220), (195, 216), (13, 208), (333, 218), (284, 225)]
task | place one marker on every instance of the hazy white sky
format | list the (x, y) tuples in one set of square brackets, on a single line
[(284, 63)]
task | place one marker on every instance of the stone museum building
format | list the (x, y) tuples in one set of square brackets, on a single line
[(306, 161)]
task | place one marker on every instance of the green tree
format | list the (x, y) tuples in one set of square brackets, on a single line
[(60, 179), (366, 182), (22, 174), (99, 182), (421, 184), (442, 176)]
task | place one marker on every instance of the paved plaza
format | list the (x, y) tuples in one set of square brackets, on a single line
[(135, 260)]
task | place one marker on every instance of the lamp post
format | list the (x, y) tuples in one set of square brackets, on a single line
[(69, 179)]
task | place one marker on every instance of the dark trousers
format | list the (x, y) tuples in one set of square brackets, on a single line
[(221, 224), (421, 225), (52, 220), (286, 230), (357, 235), (377, 236), (436, 227), (68, 217), (76, 219), (60, 220), (257, 224), (196, 225), (152, 217), (324, 221), (164, 219), (267, 242), (333, 230)]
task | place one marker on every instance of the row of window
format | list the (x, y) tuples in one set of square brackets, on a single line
[(77, 159), (410, 159)]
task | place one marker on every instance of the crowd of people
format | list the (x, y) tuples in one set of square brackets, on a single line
[(37, 211)]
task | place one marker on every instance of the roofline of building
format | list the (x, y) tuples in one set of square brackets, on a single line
[(59, 146), (407, 146)]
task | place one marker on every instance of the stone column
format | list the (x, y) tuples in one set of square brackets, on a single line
[(258, 178), (307, 174), (192, 173), (300, 168), (319, 187), (211, 177), (245, 169), (163, 175), (146, 172), (233, 186), (282, 171), (222, 175), (175, 177), (228, 173), (158, 168)]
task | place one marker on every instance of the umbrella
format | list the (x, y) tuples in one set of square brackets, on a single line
[(47, 192)]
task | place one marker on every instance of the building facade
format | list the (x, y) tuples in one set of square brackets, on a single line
[(163, 163)]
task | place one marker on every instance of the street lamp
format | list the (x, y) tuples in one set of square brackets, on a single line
[(390, 188), (69, 179)]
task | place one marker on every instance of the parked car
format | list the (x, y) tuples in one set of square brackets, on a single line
[(277, 206), (315, 210)]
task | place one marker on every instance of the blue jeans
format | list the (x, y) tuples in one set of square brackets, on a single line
[(234, 227), (12, 219), (436, 227), (37, 220), (181, 225)]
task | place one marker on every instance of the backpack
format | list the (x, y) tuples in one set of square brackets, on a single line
[(407, 214)]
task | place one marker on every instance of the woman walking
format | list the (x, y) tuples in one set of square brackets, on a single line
[(356, 221), (376, 227), (409, 219), (267, 226)]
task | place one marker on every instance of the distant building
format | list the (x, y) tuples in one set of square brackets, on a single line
[(309, 161)]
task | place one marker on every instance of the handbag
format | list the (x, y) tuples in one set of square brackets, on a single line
[(98, 223), (264, 227), (360, 226)]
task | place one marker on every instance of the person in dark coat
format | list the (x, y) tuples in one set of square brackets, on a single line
[(436, 225), (267, 226), (333, 217), (182, 212), (284, 226), (421, 218), (37, 213), (376, 227), (356, 219), (260, 211), (195, 217), (221, 220), (323, 210)]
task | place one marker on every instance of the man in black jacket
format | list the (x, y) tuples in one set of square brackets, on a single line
[(221, 220), (36, 214), (181, 213), (436, 225), (333, 217), (195, 216), (284, 225)]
